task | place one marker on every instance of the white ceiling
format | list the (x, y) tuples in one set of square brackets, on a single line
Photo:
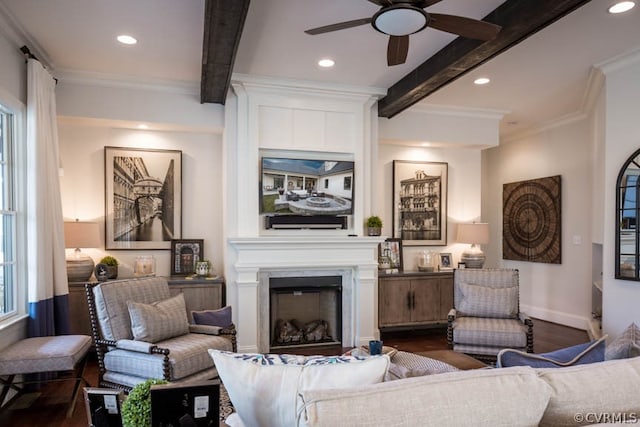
[(541, 79)]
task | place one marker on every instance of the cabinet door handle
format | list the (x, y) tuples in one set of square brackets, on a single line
[(413, 299), (408, 300)]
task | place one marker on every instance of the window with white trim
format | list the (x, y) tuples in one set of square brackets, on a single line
[(8, 282)]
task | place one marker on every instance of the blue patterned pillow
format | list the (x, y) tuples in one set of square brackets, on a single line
[(580, 354)]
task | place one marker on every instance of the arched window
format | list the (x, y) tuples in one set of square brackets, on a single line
[(627, 233)]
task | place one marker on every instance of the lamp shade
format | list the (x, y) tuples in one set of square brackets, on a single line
[(81, 234), (476, 233)]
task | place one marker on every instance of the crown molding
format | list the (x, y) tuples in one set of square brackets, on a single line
[(453, 110), (127, 82), (266, 82), (619, 61)]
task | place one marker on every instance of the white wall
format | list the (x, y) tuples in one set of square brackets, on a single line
[(621, 298), (556, 292), (82, 185), (13, 70), (464, 190)]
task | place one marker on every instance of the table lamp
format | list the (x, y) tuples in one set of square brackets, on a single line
[(80, 235), (477, 234)]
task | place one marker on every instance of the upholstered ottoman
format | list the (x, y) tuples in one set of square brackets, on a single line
[(44, 354)]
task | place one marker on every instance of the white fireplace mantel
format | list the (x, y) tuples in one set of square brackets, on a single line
[(252, 257)]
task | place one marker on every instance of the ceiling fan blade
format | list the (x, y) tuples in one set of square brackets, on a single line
[(465, 27), (397, 50), (382, 2), (338, 26)]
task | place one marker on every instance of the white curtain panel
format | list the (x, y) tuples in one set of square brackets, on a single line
[(47, 275)]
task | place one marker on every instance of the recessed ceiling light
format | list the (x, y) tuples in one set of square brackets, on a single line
[(125, 39), (481, 81), (622, 7), (326, 63), (143, 126), (426, 144)]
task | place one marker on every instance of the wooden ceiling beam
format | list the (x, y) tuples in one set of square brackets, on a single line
[(223, 24), (519, 20)]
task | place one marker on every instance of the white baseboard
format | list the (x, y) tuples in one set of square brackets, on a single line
[(561, 318)]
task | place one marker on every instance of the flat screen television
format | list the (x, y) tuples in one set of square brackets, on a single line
[(306, 187)]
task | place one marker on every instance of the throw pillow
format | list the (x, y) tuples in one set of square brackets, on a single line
[(265, 388), (485, 301), (160, 320), (220, 317), (626, 345), (580, 354)]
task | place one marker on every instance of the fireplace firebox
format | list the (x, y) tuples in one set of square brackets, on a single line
[(305, 311)]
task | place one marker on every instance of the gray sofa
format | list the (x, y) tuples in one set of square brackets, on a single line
[(599, 393)]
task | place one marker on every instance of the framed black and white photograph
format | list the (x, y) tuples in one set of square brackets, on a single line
[(184, 256), (143, 197), (420, 203), (390, 255), (103, 406), (446, 262)]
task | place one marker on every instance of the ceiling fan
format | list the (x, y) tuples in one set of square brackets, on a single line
[(400, 18)]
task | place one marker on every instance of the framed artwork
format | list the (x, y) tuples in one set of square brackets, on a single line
[(531, 220), (420, 203), (143, 197), (445, 261), (103, 406), (184, 255), (390, 255), (191, 404)]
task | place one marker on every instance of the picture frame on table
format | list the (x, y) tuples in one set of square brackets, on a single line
[(446, 262), (184, 255), (390, 255), (420, 202), (143, 197), (103, 406)]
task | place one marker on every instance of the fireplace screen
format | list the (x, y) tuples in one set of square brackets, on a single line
[(305, 310)]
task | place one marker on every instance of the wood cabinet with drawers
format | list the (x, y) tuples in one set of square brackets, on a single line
[(414, 299), (199, 294)]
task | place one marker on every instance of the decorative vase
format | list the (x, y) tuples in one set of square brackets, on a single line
[(112, 271), (202, 268), (374, 231)]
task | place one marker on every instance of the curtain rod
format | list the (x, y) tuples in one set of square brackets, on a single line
[(25, 50)]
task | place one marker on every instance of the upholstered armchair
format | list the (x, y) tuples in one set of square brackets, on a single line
[(486, 316), (140, 331)]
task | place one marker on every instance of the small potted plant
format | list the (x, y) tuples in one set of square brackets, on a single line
[(374, 226), (112, 266), (136, 409)]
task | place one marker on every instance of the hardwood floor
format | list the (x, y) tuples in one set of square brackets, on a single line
[(49, 407)]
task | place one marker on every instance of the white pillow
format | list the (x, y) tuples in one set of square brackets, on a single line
[(265, 388), (485, 301), (158, 321)]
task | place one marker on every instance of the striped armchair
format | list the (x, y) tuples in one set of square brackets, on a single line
[(486, 317), (140, 331)]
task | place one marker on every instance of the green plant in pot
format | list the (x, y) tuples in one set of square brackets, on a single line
[(136, 409), (112, 266), (374, 226)]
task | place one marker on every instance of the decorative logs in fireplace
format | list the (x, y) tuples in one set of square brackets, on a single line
[(296, 332)]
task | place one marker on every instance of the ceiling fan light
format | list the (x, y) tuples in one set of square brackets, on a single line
[(400, 20)]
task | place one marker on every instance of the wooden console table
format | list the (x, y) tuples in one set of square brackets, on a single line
[(414, 298), (199, 293)]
